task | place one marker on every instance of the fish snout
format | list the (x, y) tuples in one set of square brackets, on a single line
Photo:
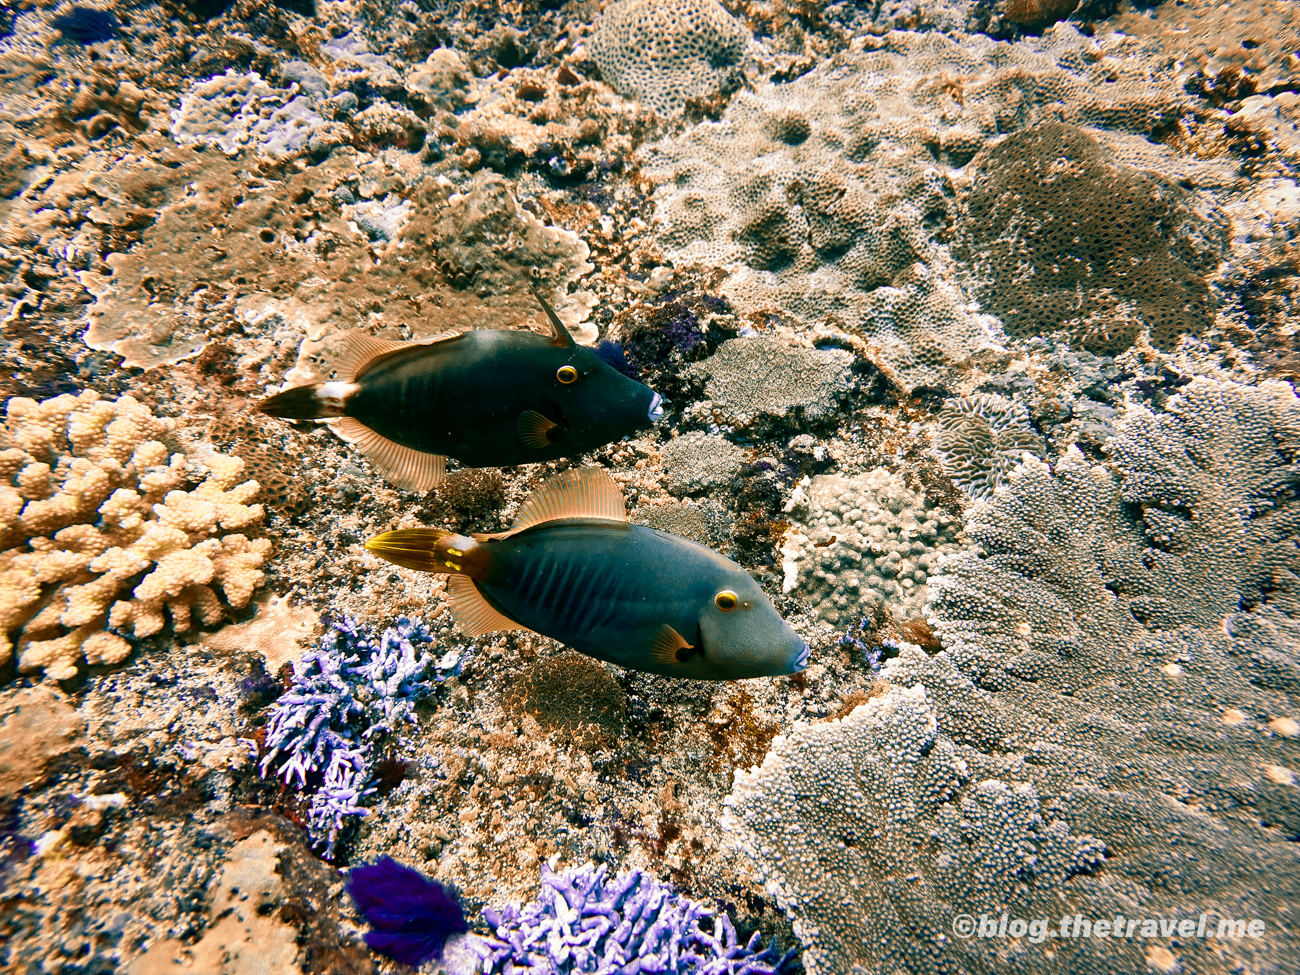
[(801, 659), (656, 411)]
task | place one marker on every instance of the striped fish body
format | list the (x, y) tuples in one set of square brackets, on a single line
[(608, 588), (463, 397)]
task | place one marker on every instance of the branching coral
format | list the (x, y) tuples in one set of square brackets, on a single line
[(101, 526), (583, 922), (348, 694)]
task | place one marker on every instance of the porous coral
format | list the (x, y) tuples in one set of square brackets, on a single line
[(863, 544), (829, 197), (235, 111), (698, 461), (1062, 237), (668, 53), (981, 438), (102, 527)]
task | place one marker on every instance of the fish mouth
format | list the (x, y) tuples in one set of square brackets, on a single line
[(801, 661), (656, 411)]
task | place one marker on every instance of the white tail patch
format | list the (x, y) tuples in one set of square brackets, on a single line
[(333, 396), (407, 469), (360, 351), (473, 614), (587, 492)]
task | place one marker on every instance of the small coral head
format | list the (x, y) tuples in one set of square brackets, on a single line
[(410, 916)]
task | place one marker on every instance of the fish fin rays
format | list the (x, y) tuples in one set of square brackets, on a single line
[(361, 351), (405, 468), (414, 548), (585, 492), (473, 614), (559, 334), (534, 429), (668, 647)]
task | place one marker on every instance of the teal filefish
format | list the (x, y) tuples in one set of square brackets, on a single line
[(487, 397), (573, 569)]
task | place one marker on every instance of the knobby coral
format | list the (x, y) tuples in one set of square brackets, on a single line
[(93, 508), (347, 695), (1118, 656)]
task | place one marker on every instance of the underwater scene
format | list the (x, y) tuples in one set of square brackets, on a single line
[(702, 487)]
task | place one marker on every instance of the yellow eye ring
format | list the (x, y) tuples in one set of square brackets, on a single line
[(726, 600), (566, 374)]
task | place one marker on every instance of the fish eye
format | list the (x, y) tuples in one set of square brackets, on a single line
[(726, 600), (566, 374)]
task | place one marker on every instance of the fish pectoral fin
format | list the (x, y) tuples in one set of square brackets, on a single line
[(586, 492), (361, 351), (534, 429), (473, 613), (404, 467), (670, 647)]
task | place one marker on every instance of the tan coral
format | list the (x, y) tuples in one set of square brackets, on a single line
[(99, 531)]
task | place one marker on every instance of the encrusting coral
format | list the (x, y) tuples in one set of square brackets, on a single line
[(101, 527)]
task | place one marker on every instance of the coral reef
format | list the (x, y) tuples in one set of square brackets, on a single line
[(591, 923), (410, 915), (95, 509), (1059, 236), (698, 461), (669, 54), (865, 544), (982, 438), (1079, 675), (347, 695)]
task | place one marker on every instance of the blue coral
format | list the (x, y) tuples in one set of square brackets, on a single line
[(860, 638), (347, 694), (584, 923)]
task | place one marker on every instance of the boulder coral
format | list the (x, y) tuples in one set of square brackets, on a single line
[(102, 526)]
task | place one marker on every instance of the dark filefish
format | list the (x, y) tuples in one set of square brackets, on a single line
[(489, 398), (572, 568)]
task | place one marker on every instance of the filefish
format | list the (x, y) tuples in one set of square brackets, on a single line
[(571, 567), (488, 397)]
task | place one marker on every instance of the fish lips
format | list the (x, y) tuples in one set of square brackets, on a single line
[(656, 411), (800, 660)]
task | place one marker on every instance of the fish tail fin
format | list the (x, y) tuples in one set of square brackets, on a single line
[(431, 550), (314, 401)]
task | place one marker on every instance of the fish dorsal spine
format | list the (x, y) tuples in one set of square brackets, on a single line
[(559, 334), (587, 492)]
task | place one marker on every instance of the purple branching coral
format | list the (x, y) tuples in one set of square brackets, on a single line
[(347, 694), (860, 638), (582, 922)]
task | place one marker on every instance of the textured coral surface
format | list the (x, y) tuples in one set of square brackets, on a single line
[(975, 323)]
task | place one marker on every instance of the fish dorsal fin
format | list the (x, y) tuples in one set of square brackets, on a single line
[(559, 334), (407, 469), (472, 612), (670, 648), (360, 351), (534, 429), (586, 492)]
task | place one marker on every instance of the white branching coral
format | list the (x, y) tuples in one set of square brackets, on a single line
[(102, 528)]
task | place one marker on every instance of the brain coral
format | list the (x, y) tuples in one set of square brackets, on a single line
[(665, 54), (1060, 236), (865, 542), (1070, 719), (102, 528), (981, 438), (830, 196)]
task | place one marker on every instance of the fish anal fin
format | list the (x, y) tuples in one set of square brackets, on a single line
[(405, 468), (534, 429), (473, 614), (670, 648), (585, 492), (360, 350)]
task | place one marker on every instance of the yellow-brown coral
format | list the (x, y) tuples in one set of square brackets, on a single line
[(99, 530)]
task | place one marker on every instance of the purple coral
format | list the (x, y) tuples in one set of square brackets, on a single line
[(321, 731), (410, 916), (583, 923), (860, 638)]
